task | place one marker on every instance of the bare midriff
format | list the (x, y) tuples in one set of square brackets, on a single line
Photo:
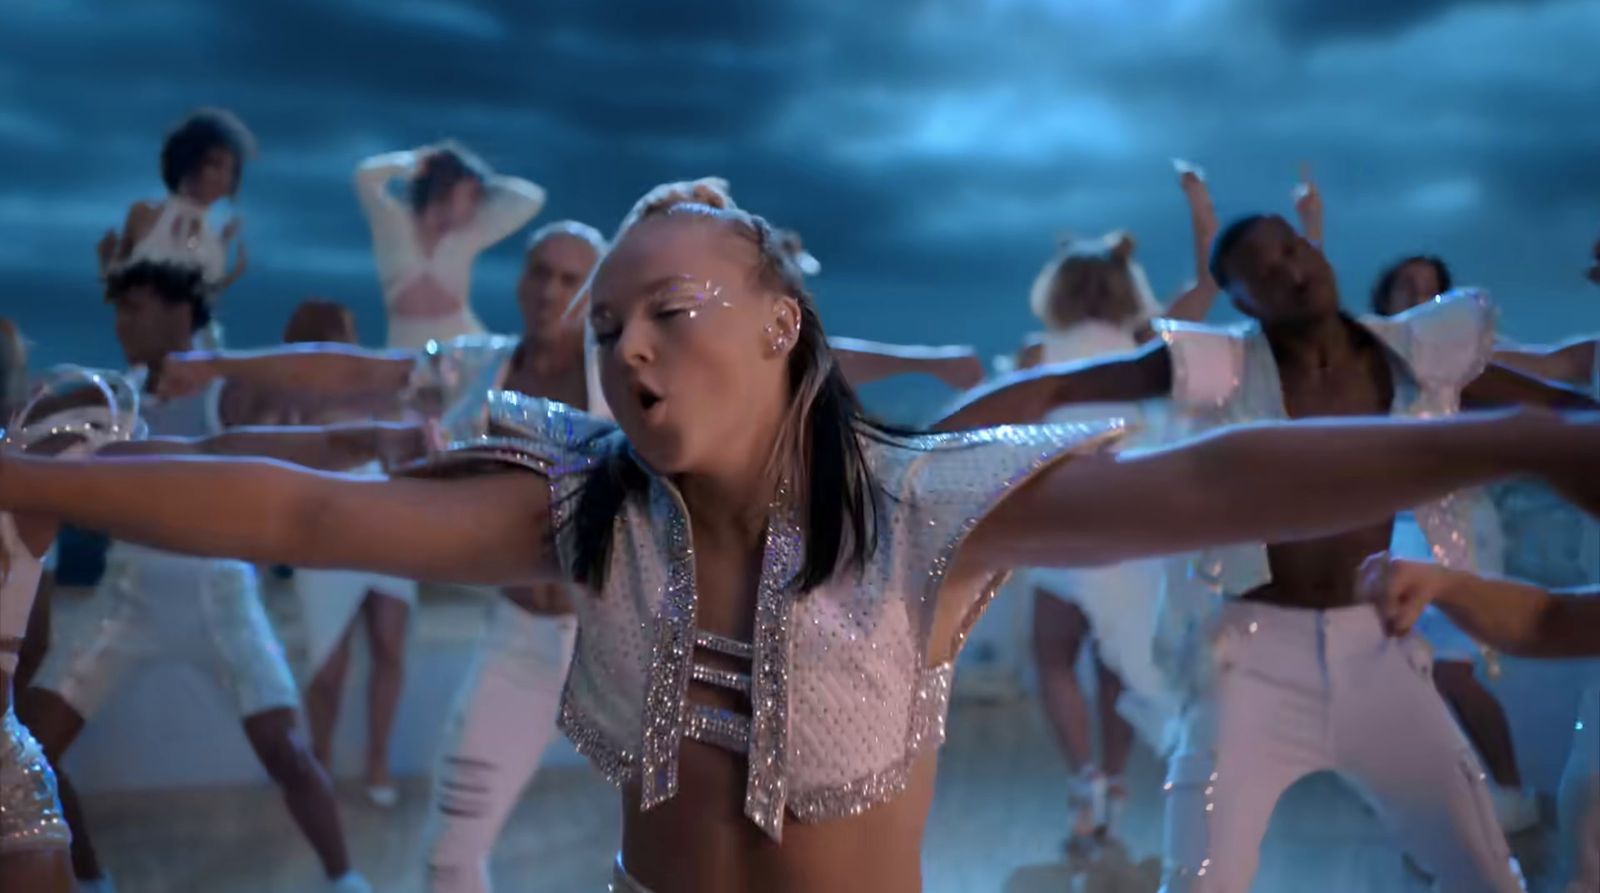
[(701, 841)]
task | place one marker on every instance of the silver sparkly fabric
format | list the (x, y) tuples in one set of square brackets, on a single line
[(30, 813), (453, 380), (1228, 376), (843, 699)]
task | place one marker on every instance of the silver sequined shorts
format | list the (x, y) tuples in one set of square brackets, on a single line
[(30, 813), (154, 605)]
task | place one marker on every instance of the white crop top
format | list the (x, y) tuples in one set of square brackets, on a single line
[(844, 697)]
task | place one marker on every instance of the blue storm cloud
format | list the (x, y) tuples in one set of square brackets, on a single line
[(930, 152)]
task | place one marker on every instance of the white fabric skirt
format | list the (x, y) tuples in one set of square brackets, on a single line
[(329, 601), (1120, 602)]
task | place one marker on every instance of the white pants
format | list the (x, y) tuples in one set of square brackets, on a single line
[(1298, 692), (504, 717), (1578, 801)]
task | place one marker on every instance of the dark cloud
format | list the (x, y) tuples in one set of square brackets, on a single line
[(1311, 21), (930, 152)]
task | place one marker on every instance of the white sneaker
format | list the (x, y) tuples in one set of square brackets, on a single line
[(349, 882), (1517, 809)]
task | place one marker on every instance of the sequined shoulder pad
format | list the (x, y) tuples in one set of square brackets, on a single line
[(941, 485), (541, 435), (1207, 361), (1446, 342)]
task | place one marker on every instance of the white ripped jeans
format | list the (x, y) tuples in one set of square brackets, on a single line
[(504, 717), (1301, 691)]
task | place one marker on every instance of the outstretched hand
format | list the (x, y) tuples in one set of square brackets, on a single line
[(186, 374), (963, 372)]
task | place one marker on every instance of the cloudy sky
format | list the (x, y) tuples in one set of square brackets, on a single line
[(929, 150)]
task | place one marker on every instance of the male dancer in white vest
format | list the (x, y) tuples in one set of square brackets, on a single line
[(1295, 676), (156, 605)]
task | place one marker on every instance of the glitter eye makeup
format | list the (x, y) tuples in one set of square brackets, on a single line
[(690, 295)]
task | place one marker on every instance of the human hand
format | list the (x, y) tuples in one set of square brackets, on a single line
[(186, 374), (963, 371), (1401, 590)]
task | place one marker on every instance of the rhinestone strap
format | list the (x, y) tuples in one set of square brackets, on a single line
[(719, 728), (739, 682), (723, 645)]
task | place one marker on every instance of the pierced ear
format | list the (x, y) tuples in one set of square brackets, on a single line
[(784, 331)]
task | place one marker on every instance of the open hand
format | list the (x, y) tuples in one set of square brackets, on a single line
[(962, 372), (186, 374)]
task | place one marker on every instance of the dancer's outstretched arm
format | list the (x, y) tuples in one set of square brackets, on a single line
[(1571, 362), (329, 369), (1194, 304), (864, 361), (1275, 483), (1517, 618), (1501, 385), (489, 530), (330, 447), (1026, 396)]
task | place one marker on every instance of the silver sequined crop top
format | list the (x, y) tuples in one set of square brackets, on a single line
[(843, 697)]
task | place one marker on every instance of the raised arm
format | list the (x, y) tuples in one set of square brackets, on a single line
[(1026, 396), (330, 448), (327, 369), (1516, 618), (867, 361), (1500, 385), (115, 247), (1195, 303), (508, 204), (1275, 483), (374, 175), (489, 530), (1308, 206)]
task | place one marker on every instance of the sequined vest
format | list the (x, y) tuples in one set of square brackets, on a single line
[(844, 699), (1228, 376)]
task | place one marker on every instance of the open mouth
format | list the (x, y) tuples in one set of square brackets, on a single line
[(648, 399)]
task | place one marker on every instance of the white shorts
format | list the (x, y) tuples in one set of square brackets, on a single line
[(154, 605)]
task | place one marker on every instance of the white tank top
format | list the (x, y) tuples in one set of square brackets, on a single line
[(182, 237)]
